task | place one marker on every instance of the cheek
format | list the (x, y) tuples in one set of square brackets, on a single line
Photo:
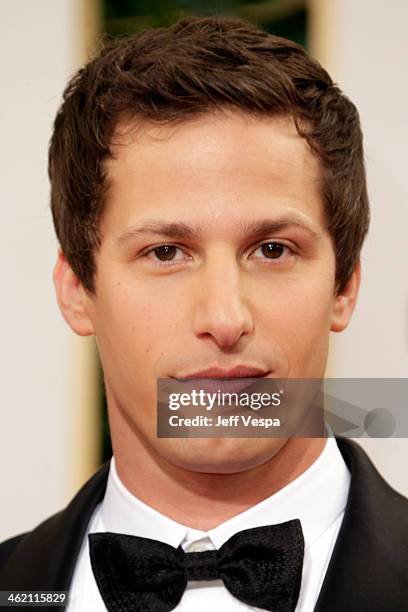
[(310, 311), (298, 321), (134, 327)]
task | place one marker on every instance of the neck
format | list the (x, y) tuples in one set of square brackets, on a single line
[(198, 499)]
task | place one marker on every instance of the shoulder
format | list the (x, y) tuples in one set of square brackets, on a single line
[(46, 555), (11, 545), (7, 547), (371, 496)]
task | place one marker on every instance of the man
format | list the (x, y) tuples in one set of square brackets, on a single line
[(209, 196)]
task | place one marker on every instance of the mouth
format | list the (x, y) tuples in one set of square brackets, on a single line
[(232, 380)]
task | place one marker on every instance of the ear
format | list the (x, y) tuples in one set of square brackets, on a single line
[(71, 297), (344, 302)]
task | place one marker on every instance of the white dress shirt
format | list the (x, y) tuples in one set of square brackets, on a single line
[(317, 497)]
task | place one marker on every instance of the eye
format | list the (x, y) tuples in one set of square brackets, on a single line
[(273, 250), (165, 253)]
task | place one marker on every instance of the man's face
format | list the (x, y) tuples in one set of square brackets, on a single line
[(214, 253)]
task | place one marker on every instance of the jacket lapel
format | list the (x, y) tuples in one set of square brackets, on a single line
[(368, 569)]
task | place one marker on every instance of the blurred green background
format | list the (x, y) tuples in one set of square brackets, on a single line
[(282, 17)]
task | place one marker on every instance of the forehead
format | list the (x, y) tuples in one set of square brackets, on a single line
[(219, 164)]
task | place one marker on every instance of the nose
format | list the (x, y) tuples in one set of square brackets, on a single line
[(220, 309)]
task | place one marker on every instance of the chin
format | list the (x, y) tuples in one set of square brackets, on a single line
[(219, 455)]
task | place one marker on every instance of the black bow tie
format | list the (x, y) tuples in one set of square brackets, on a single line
[(262, 567)]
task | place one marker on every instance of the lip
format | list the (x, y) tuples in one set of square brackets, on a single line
[(231, 380), (238, 371)]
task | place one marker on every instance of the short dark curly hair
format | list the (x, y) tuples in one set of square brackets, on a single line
[(195, 66)]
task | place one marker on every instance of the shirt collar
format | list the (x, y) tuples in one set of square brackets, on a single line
[(317, 497)]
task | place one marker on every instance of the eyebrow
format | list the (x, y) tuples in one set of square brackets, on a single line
[(179, 230)]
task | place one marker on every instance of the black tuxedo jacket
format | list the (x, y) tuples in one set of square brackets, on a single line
[(368, 571)]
